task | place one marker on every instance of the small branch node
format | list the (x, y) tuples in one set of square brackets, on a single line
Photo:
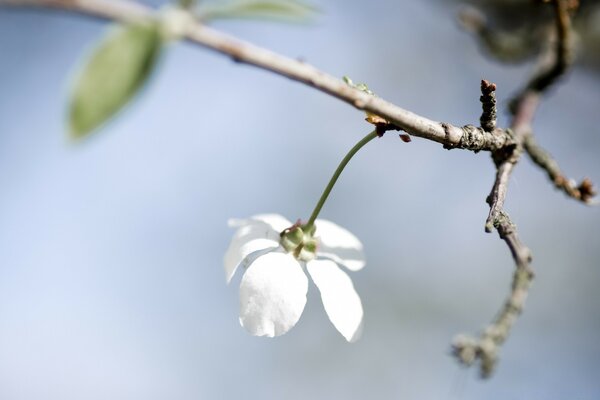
[(447, 133), (405, 138), (586, 190), (382, 126), (488, 104), (477, 139)]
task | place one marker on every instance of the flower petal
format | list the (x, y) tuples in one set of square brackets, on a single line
[(256, 233), (340, 245), (237, 254), (341, 302), (272, 295), (276, 222)]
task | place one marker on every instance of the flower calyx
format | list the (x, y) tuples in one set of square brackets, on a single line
[(299, 241)]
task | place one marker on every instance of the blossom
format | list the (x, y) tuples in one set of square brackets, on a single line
[(276, 254)]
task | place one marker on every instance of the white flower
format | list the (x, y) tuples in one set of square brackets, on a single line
[(274, 286)]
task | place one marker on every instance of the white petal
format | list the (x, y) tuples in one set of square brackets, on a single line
[(276, 222), (341, 302), (272, 295), (339, 245), (246, 240), (256, 233), (237, 254)]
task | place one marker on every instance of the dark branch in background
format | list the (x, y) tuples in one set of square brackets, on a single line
[(505, 145), (563, 59), (468, 350), (562, 55)]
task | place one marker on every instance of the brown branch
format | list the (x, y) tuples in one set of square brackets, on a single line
[(561, 60), (468, 350), (485, 348), (563, 52), (524, 108), (561, 57), (244, 52), (507, 158), (583, 191)]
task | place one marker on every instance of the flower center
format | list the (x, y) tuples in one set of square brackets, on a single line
[(299, 241)]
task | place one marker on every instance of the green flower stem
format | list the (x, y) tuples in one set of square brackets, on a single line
[(335, 177)]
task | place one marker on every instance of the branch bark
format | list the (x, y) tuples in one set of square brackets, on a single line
[(484, 349), (240, 51), (584, 191)]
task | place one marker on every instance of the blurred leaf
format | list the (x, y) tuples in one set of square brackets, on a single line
[(112, 75), (278, 10)]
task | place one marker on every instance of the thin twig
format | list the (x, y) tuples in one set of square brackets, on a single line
[(467, 349), (524, 106), (484, 349), (505, 160), (562, 60), (488, 105), (583, 191), (562, 53)]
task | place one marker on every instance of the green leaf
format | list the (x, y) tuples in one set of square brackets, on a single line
[(115, 71), (278, 10)]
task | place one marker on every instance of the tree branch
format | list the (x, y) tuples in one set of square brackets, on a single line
[(244, 52), (561, 57), (507, 158), (485, 348), (583, 192), (560, 61)]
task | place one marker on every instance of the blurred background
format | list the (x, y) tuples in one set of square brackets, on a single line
[(111, 279)]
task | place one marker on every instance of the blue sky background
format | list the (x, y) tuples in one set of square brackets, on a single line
[(111, 280)]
